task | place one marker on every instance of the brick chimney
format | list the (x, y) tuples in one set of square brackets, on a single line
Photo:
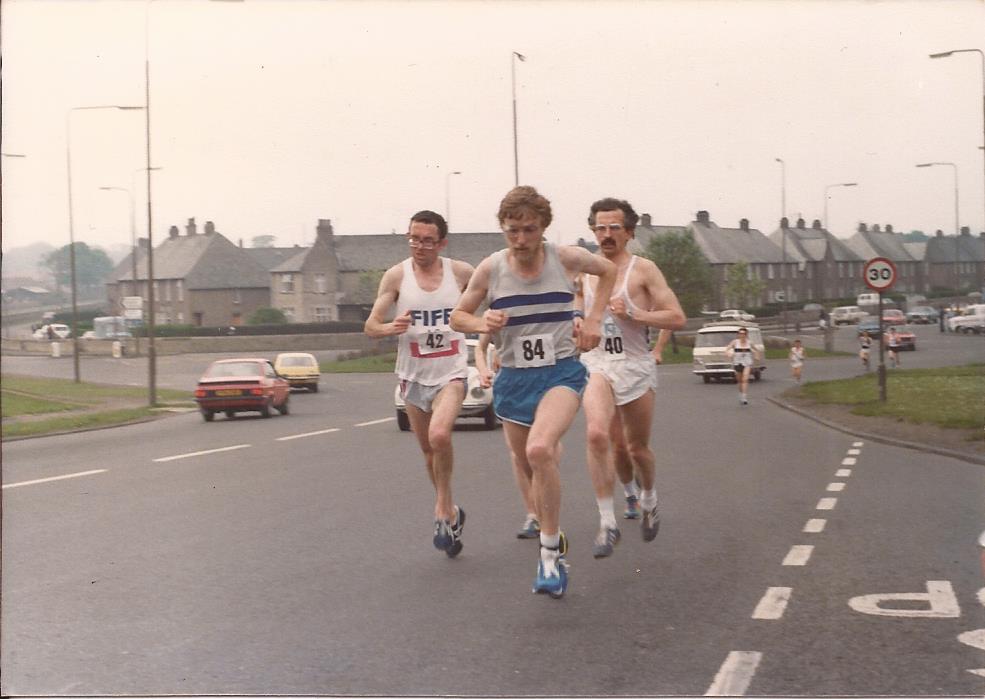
[(800, 223), (889, 228), (965, 230), (324, 230), (875, 228), (703, 217), (744, 224), (784, 222), (862, 228), (172, 232), (190, 227), (645, 220), (209, 228), (939, 233), (816, 225)]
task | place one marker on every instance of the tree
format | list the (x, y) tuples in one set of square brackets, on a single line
[(92, 266), (742, 288), (685, 268), (369, 283), (263, 241), (266, 315)]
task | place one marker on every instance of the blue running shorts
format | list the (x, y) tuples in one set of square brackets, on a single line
[(517, 392)]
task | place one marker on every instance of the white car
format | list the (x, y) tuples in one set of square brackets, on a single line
[(735, 314), (478, 401), (59, 330), (847, 315)]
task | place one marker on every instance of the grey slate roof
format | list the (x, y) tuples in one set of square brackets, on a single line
[(731, 245), (269, 258), (961, 248), (362, 253), (869, 244), (205, 261), (645, 234), (812, 244), (292, 263)]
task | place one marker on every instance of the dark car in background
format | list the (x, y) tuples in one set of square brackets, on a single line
[(241, 385), (871, 326), (923, 315)]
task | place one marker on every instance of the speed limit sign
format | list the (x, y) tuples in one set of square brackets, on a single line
[(879, 273)]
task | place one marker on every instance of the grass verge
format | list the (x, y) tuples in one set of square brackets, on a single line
[(68, 423), (948, 396), (683, 355), (370, 364)]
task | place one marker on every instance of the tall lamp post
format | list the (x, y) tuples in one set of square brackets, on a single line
[(516, 162), (826, 190), (448, 197), (71, 227), (981, 54), (957, 225), (783, 235)]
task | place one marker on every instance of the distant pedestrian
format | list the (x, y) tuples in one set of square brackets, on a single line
[(865, 345), (797, 355), (940, 317), (822, 321), (892, 341), (742, 354)]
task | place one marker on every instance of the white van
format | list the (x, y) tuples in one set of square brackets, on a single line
[(867, 300), (710, 359)]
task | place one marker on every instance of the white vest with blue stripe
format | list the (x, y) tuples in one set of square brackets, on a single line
[(540, 312)]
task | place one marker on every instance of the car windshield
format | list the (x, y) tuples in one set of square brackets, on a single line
[(718, 338), (229, 369), (297, 361)]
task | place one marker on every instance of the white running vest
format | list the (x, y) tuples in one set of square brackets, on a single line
[(621, 339), (430, 352)]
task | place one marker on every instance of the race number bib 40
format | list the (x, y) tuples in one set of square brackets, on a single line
[(612, 343), (534, 350)]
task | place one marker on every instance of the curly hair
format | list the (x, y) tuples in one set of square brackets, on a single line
[(524, 201)]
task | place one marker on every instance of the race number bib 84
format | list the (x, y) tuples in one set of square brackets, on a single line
[(534, 350)]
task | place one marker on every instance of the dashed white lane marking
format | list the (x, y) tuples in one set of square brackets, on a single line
[(853, 452), (858, 444), (736, 673), (798, 555), (849, 461), (80, 474), (826, 503), (201, 453), (307, 434), (375, 422), (843, 473), (773, 603), (835, 487), (815, 526)]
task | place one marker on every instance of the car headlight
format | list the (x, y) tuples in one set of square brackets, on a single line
[(477, 392)]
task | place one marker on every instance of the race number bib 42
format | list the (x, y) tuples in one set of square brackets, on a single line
[(433, 341), (534, 350)]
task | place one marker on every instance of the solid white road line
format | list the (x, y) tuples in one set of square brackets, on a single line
[(307, 434), (835, 487), (798, 555), (849, 461), (826, 503), (843, 473), (773, 603), (202, 453), (375, 422), (54, 478), (736, 673), (814, 526)]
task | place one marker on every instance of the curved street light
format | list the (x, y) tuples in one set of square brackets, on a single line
[(516, 162), (448, 197), (826, 189), (957, 225)]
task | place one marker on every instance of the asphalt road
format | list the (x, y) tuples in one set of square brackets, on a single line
[(293, 555)]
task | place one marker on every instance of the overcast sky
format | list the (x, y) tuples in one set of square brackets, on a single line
[(266, 116)]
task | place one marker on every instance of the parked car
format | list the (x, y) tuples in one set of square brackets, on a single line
[(893, 316), (871, 326), (242, 385), (847, 315), (922, 315), (972, 320), (710, 358), (58, 331), (478, 401), (299, 368), (736, 314)]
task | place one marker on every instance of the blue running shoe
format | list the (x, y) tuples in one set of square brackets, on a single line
[(552, 577), (442, 535), (605, 542), (530, 529), (455, 547), (632, 507)]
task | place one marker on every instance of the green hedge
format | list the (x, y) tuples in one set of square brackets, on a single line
[(332, 327)]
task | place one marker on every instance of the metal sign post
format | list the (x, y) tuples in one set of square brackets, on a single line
[(879, 274)]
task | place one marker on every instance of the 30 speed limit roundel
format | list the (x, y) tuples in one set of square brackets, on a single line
[(879, 273)]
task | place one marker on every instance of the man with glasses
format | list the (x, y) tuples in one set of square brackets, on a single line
[(622, 382), (431, 357), (530, 287)]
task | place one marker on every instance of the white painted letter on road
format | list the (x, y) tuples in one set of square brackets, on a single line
[(939, 601)]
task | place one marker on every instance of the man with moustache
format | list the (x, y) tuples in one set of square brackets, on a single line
[(530, 287), (619, 399)]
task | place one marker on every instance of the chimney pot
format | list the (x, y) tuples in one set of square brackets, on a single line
[(645, 220), (939, 233), (172, 232), (190, 227), (784, 222), (875, 228), (703, 217), (800, 223), (965, 230), (862, 228), (889, 228), (816, 225), (744, 224), (210, 228)]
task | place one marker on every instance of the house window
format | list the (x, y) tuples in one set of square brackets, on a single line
[(287, 283), (322, 315), (181, 318), (237, 296), (769, 271), (180, 289), (167, 291), (321, 283)]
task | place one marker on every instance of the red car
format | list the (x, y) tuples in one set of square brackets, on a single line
[(241, 385), (893, 316)]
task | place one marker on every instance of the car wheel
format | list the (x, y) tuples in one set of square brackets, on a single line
[(403, 422), (489, 418), (230, 414), (285, 408), (265, 410), (706, 378), (757, 374), (207, 415), (314, 388)]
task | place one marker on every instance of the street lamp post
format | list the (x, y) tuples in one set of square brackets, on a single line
[(981, 54), (783, 235), (826, 189), (448, 197), (957, 224), (516, 162), (71, 228)]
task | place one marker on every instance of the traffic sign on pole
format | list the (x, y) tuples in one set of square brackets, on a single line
[(879, 274)]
